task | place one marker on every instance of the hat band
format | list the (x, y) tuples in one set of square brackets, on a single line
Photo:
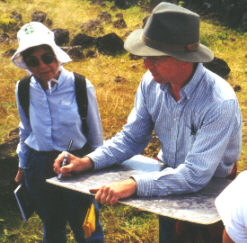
[(170, 47)]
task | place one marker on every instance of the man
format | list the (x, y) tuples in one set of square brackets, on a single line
[(232, 207), (194, 113)]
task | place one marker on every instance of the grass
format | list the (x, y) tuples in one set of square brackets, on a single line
[(115, 99)]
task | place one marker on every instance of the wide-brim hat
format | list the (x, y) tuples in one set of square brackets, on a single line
[(36, 34), (170, 30)]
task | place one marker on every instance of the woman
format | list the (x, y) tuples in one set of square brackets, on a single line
[(52, 122)]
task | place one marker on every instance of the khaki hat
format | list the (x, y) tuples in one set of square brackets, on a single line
[(36, 34), (170, 31)]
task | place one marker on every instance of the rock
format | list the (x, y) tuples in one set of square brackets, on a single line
[(237, 88), (9, 53), (4, 38), (104, 16), (94, 26), (39, 16), (83, 40), (100, 84), (133, 67), (123, 4), (61, 36), (75, 53), (48, 22), (16, 16), (120, 23), (98, 2), (218, 66), (119, 79), (91, 54), (233, 15), (119, 15), (244, 20), (9, 146), (110, 44), (8, 169)]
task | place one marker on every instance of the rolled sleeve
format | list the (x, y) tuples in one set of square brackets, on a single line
[(144, 184)]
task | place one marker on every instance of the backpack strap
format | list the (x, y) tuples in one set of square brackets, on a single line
[(82, 101), (23, 94)]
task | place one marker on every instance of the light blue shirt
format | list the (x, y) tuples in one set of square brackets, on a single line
[(54, 118), (200, 134)]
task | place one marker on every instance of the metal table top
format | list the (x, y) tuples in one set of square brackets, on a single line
[(196, 207)]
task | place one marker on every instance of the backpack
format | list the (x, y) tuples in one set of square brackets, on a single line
[(81, 98)]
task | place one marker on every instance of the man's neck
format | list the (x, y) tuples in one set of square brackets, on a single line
[(182, 79)]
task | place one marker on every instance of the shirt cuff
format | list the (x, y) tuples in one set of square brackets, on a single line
[(22, 157), (22, 163), (99, 160), (145, 185)]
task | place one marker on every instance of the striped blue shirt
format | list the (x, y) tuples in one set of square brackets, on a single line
[(54, 118), (200, 134)]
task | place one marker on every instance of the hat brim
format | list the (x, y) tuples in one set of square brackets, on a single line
[(135, 45), (61, 55)]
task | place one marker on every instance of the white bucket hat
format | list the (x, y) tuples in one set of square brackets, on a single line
[(36, 34)]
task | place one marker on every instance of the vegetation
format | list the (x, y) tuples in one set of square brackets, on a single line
[(115, 99)]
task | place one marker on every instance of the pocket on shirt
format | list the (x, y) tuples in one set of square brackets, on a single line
[(68, 114), (190, 135)]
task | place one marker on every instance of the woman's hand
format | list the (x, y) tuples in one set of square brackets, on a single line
[(19, 178)]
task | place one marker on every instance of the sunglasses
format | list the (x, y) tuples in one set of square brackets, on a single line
[(33, 61)]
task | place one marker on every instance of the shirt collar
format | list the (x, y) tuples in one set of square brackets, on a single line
[(57, 82)]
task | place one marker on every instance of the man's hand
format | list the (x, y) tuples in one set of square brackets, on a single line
[(111, 193), (75, 164), (19, 178)]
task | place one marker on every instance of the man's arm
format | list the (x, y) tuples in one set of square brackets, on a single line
[(107, 194), (133, 138), (221, 128)]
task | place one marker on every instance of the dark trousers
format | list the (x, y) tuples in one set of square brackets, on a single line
[(57, 206)]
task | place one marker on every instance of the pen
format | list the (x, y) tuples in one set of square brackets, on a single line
[(60, 175)]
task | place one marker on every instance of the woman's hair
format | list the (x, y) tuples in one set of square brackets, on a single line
[(27, 53)]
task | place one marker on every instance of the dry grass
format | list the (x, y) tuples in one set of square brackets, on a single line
[(101, 71), (115, 99)]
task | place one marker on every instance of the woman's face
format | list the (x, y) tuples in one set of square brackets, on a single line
[(42, 63)]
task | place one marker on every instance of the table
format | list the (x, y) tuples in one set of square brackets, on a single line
[(196, 207)]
